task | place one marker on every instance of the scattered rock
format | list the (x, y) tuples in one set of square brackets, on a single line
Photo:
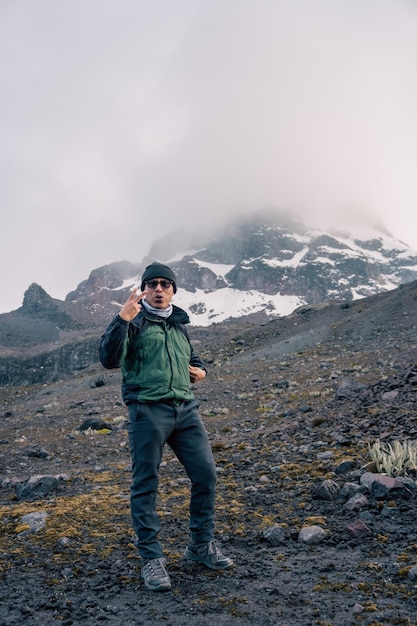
[(276, 535), (99, 382), (33, 522), (312, 535), (349, 389), (358, 529), (350, 489), (95, 423), (345, 466), (328, 490), (37, 452), (383, 487), (357, 503), (37, 488)]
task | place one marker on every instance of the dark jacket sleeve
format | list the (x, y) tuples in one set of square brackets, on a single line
[(112, 343), (195, 360)]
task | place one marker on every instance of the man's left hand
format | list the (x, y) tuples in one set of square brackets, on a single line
[(196, 374)]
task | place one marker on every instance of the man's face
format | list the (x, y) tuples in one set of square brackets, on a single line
[(159, 292)]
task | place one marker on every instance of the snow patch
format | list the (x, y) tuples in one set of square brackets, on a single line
[(217, 306)]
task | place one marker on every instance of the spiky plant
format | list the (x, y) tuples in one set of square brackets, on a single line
[(395, 459)]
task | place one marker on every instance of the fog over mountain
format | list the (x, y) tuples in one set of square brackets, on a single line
[(123, 121), (248, 274), (259, 268)]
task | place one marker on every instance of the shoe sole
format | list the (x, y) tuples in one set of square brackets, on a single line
[(161, 587), (198, 559)]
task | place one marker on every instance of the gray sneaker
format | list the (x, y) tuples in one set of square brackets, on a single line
[(155, 575), (209, 554)]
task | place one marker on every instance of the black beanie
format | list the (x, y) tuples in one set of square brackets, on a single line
[(158, 270)]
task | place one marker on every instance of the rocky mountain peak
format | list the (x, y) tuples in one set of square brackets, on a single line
[(265, 265), (275, 265), (36, 301), (107, 277), (40, 317)]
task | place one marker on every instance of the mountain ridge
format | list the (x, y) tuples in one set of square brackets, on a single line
[(255, 270)]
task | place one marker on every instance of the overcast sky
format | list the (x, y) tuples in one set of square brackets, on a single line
[(121, 120)]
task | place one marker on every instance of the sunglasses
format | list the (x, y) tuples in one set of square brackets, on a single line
[(165, 284)]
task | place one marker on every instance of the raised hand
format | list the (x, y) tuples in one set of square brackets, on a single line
[(132, 305)]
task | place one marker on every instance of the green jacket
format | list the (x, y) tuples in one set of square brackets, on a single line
[(154, 355)]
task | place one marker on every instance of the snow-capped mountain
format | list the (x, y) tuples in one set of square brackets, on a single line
[(264, 265), (261, 267)]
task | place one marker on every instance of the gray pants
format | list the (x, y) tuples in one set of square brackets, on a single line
[(151, 425)]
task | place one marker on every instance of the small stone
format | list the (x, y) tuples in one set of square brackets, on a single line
[(389, 396), (357, 502), (350, 489), (276, 535), (34, 521), (311, 535), (36, 452), (358, 529), (95, 423), (345, 466), (328, 490), (349, 389), (98, 382), (64, 541), (37, 487), (323, 456)]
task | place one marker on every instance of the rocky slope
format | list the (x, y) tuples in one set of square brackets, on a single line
[(291, 404)]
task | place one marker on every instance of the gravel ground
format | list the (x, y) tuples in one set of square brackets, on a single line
[(287, 404)]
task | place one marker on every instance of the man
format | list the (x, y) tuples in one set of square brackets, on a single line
[(149, 341)]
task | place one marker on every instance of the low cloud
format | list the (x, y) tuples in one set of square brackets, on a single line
[(124, 121)]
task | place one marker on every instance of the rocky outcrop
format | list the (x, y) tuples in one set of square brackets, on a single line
[(107, 277), (38, 305), (192, 276), (49, 364)]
